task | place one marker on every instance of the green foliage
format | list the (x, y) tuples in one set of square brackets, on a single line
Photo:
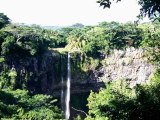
[(5, 80), (119, 102), (126, 35), (12, 74), (75, 40), (99, 40), (116, 102), (150, 8), (22, 41), (2, 59), (109, 103), (4, 20), (96, 42), (151, 41), (7, 45), (106, 3), (19, 104), (78, 118)]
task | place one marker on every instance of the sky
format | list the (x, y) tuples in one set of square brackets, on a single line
[(67, 12)]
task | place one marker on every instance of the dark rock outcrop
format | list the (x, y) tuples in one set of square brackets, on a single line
[(39, 74)]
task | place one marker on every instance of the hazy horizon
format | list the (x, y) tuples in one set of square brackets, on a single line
[(68, 12)]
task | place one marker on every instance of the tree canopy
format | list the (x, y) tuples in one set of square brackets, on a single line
[(150, 8), (22, 43), (119, 102), (3, 20)]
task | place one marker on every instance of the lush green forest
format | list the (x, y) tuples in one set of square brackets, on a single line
[(115, 102)]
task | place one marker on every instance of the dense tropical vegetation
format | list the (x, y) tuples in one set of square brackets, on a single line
[(119, 102), (21, 42), (18, 104)]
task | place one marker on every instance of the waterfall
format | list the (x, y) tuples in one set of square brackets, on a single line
[(67, 100)]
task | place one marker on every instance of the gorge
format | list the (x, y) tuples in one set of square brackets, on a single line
[(72, 72), (55, 72)]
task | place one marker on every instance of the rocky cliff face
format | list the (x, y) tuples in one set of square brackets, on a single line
[(44, 74), (130, 64), (39, 74)]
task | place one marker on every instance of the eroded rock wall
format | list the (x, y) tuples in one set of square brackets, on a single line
[(38, 74), (44, 74), (130, 64)]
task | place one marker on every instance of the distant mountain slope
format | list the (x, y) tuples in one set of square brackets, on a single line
[(52, 27)]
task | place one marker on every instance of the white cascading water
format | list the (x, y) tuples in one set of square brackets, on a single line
[(67, 100)]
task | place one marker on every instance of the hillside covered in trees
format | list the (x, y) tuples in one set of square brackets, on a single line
[(20, 93)]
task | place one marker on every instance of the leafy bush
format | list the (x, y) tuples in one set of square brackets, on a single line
[(19, 104), (98, 40), (151, 41), (118, 101)]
